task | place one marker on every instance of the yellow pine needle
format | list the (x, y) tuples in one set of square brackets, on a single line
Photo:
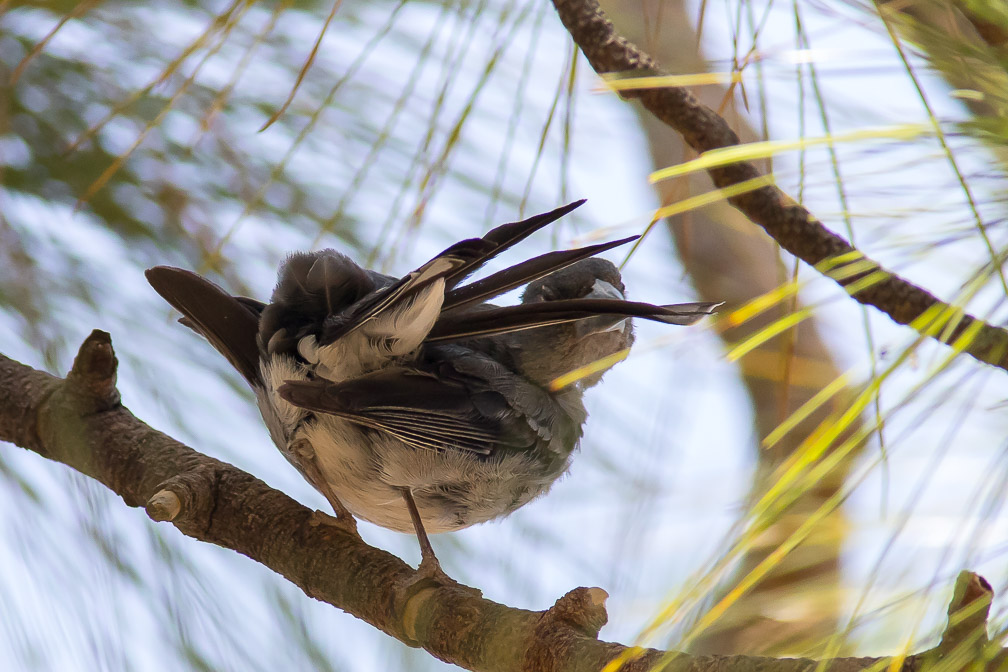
[(76, 12), (857, 267), (577, 374), (761, 303), (966, 339), (710, 197), (808, 408), (628, 654), (760, 150), (807, 372), (818, 443), (616, 82), (770, 561), (816, 446), (765, 334), (831, 263), (866, 282), (698, 201), (222, 23)]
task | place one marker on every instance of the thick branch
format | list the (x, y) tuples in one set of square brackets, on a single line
[(80, 422), (793, 227)]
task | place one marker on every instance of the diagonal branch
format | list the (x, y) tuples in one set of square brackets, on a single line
[(793, 227), (80, 422)]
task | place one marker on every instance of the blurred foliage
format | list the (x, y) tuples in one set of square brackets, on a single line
[(145, 119), (133, 135)]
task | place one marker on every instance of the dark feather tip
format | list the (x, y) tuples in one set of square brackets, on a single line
[(302, 394)]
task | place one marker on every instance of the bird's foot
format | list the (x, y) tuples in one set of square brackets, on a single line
[(343, 521), (430, 570), (430, 575)]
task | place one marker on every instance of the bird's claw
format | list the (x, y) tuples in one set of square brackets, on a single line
[(430, 575), (344, 521)]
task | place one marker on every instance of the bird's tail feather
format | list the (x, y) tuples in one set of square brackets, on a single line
[(229, 323), (502, 320)]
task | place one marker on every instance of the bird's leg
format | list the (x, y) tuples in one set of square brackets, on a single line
[(309, 468), (429, 565), (343, 517)]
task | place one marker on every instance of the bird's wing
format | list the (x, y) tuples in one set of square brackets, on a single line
[(505, 236), (445, 265), (229, 323), (501, 320), (452, 265), (523, 273), (465, 401)]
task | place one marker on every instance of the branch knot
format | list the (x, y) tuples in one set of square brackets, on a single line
[(965, 635), (92, 377), (582, 609), (187, 499)]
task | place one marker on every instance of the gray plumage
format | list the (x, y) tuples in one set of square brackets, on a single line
[(376, 388)]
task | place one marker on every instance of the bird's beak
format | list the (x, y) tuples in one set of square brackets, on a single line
[(603, 323), (603, 290)]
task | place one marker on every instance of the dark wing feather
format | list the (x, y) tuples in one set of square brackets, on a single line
[(417, 408), (460, 399), (501, 320), (453, 265), (505, 236), (229, 323), (524, 273), (445, 265)]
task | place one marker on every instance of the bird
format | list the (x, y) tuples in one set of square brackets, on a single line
[(415, 403)]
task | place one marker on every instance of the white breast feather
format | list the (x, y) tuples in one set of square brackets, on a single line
[(275, 372), (366, 473)]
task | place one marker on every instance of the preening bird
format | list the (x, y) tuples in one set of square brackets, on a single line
[(412, 402)]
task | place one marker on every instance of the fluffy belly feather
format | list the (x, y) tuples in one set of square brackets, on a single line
[(452, 489), (367, 469)]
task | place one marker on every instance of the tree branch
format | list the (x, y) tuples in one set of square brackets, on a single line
[(793, 227), (80, 422)]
